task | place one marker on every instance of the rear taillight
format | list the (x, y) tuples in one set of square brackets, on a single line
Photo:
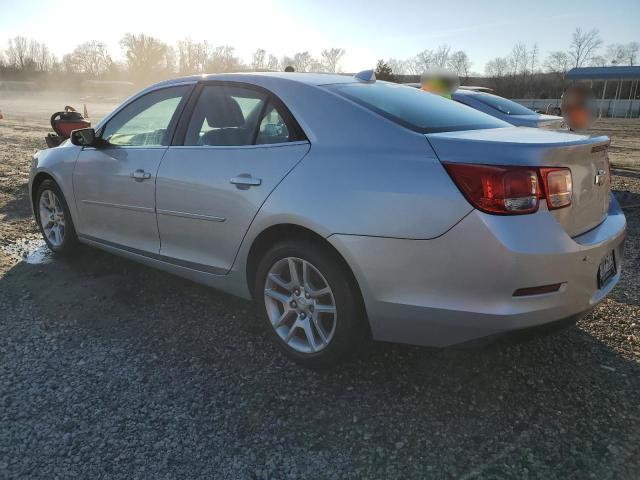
[(512, 190), (496, 189), (558, 187)]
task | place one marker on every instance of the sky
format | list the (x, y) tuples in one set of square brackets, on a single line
[(367, 30)]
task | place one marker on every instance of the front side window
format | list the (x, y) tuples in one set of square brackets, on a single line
[(417, 110), (144, 122)]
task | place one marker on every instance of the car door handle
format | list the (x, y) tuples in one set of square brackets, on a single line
[(244, 181), (140, 175)]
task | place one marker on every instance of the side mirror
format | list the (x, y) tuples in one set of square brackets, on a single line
[(84, 137)]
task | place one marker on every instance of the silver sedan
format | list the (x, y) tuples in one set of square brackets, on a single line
[(345, 207)]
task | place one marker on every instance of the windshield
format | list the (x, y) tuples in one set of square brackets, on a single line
[(504, 105), (420, 111)]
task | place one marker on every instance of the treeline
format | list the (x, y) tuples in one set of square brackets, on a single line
[(523, 73), (147, 59)]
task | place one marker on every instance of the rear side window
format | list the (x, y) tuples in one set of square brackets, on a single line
[(225, 116), (230, 115), (415, 109), (504, 105), (273, 128)]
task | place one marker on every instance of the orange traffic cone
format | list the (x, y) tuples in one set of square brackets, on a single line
[(85, 114)]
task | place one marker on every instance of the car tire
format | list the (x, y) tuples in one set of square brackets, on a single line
[(57, 230), (335, 335)]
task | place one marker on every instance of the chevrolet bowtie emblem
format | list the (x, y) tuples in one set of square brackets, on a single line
[(599, 178)]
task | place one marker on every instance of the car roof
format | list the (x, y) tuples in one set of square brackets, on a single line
[(306, 78)]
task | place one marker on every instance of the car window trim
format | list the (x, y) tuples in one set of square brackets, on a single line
[(496, 109), (171, 127), (263, 110), (187, 112), (256, 146)]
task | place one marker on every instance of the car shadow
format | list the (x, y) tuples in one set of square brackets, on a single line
[(501, 403)]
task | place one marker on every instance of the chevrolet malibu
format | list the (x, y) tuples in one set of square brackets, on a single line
[(346, 207)]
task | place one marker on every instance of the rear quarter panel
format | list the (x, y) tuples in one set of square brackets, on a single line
[(393, 193)]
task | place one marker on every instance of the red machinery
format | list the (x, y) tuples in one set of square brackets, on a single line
[(63, 123)]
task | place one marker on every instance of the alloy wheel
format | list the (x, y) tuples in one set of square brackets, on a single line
[(52, 217), (300, 305)]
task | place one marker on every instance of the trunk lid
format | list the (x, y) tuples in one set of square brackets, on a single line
[(586, 156), (550, 122)]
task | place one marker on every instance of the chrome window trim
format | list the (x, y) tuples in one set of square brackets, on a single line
[(228, 147)]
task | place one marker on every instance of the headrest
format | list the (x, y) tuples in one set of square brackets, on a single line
[(222, 111)]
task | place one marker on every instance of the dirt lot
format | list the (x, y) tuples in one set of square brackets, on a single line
[(111, 369)]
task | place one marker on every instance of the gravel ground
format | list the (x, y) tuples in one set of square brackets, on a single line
[(109, 369)]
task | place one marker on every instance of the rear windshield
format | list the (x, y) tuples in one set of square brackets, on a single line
[(420, 111), (508, 107)]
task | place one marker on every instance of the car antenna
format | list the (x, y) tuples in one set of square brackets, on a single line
[(368, 76)]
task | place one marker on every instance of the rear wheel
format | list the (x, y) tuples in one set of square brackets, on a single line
[(309, 302), (54, 219)]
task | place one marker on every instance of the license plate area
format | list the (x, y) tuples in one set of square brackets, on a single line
[(607, 269)]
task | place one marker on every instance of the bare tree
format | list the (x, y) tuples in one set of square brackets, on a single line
[(45, 60), (399, 67), (18, 53), (534, 58), (616, 53), (192, 56), (584, 45), (90, 58), (441, 56), (26, 55), (258, 62), (498, 67), (518, 59), (223, 59), (331, 59), (459, 62), (598, 61), (146, 56), (302, 61), (423, 61), (558, 62), (272, 63), (631, 50)]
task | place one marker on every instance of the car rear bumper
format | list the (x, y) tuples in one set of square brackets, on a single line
[(459, 287)]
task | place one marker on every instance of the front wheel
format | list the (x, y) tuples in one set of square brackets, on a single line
[(54, 219), (310, 303)]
